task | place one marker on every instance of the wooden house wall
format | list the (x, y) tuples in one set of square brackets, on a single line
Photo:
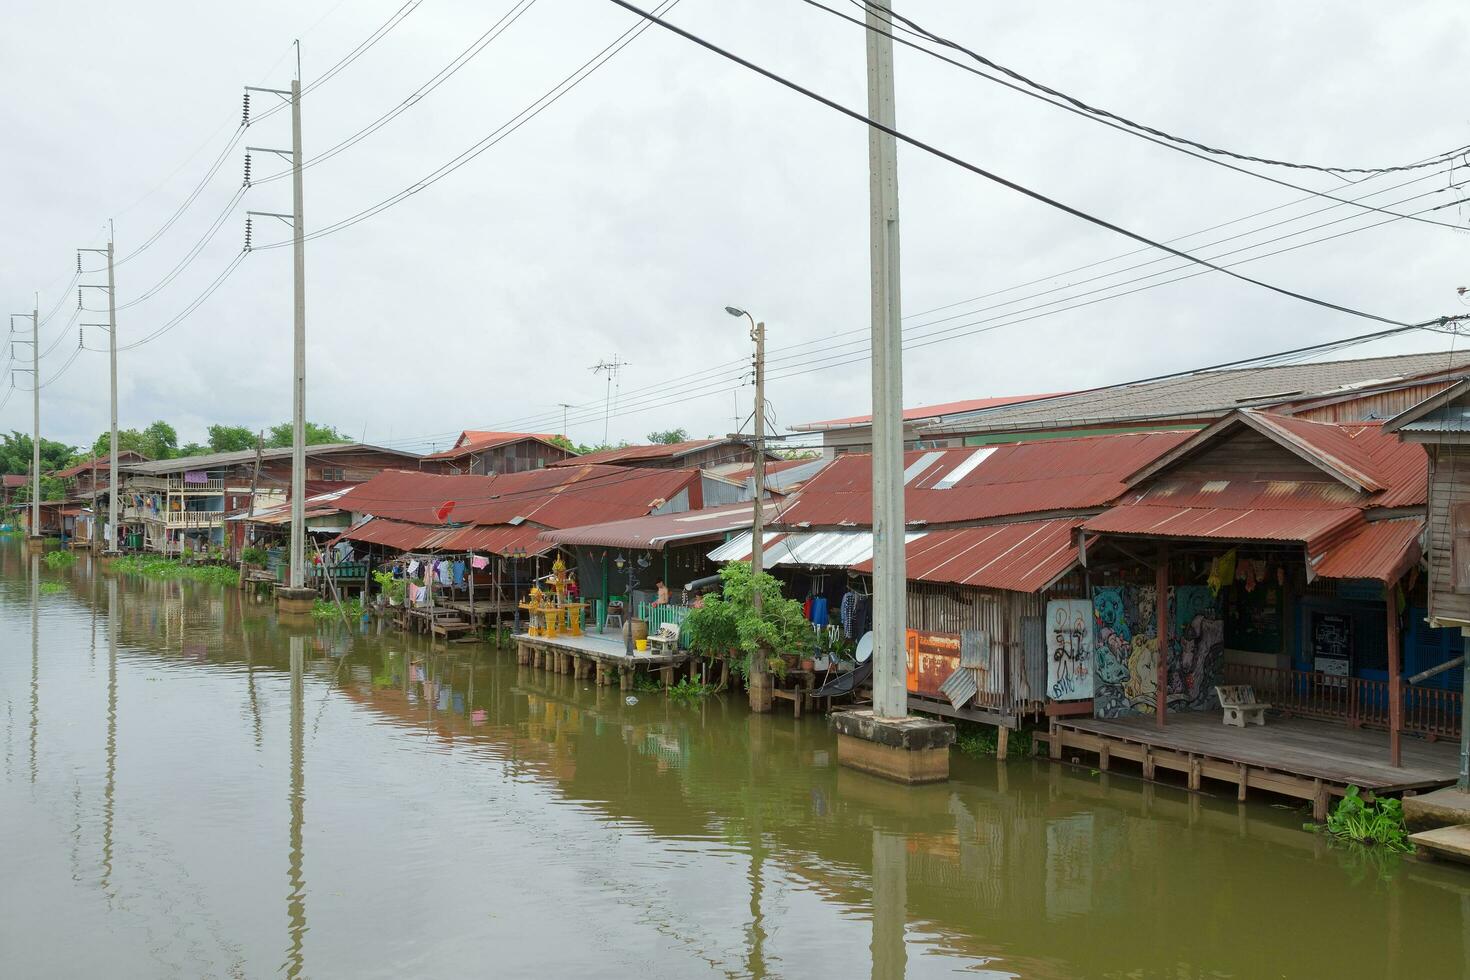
[(1378, 405), (529, 454), (1246, 455), (717, 455), (1449, 485)]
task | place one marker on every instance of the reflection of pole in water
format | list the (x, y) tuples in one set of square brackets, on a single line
[(109, 788), (296, 897), (890, 905), (755, 938), (35, 657)]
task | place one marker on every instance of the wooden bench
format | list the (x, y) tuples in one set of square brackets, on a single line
[(1239, 703)]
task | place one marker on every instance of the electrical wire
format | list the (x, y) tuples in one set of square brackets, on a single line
[(190, 255), (535, 108), (671, 395), (868, 5), (1057, 103), (993, 177), (416, 96)]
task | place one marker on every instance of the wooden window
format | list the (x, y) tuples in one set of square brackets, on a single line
[(331, 475), (1460, 548)]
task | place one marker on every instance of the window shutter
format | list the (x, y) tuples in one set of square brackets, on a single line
[(1460, 548)]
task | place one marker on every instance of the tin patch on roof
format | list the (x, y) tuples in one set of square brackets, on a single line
[(964, 469)]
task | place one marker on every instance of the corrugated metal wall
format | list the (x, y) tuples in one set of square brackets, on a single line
[(1018, 674)]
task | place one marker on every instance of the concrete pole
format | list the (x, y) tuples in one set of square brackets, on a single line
[(1464, 781), (112, 437), (298, 419), (36, 435), (760, 673), (890, 695)]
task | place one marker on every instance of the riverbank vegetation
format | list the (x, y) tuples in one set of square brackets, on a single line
[(57, 560), (1378, 822), (980, 741), (327, 609), (157, 566), (728, 624)]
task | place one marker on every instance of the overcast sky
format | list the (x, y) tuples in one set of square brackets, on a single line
[(671, 183)]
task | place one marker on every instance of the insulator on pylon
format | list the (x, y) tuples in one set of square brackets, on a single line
[(79, 263), (247, 233), (245, 114), (247, 170), (79, 297)]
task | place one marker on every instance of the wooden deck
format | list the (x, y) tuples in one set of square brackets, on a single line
[(594, 655), (1309, 760)]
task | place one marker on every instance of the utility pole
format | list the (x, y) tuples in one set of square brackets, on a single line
[(760, 672), (295, 593), (890, 694), (33, 539), (111, 328)]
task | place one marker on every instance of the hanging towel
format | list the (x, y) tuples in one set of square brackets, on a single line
[(413, 566), (819, 610), (459, 569), (479, 561), (444, 573)]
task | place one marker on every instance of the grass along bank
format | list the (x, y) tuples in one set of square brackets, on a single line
[(157, 566)]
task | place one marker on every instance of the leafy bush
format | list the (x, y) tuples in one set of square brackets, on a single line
[(56, 560), (327, 609), (394, 588), (728, 622), (980, 741), (254, 555), (690, 691), (1378, 822), (157, 566)]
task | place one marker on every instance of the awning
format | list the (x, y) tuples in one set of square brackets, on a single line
[(1022, 557), (1382, 550), (405, 536), (827, 549), (1315, 527)]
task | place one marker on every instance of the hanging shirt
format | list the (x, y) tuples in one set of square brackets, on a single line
[(459, 574), (819, 610), (413, 566)]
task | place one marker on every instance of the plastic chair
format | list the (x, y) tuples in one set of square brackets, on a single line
[(615, 609)]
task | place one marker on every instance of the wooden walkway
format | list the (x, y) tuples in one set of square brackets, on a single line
[(1309, 760), (592, 655)]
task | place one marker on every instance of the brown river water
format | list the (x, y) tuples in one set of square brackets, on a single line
[(190, 789)]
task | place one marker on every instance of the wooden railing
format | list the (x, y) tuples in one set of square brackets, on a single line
[(193, 518), (1356, 701)]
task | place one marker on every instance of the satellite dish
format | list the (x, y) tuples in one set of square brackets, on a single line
[(865, 647), (445, 509)]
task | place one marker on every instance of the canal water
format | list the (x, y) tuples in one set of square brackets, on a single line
[(190, 789)]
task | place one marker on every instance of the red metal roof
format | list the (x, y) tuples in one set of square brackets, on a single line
[(563, 496), (657, 530), (1382, 550), (1399, 471), (930, 411), (1022, 557), (99, 463), (658, 450), (405, 536), (1308, 526), (475, 441), (13, 480), (994, 481)]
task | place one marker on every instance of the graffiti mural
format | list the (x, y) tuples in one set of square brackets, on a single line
[(1069, 649), (1126, 668)]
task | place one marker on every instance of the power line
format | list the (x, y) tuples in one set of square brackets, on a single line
[(1162, 134), (535, 108), (993, 177), (1057, 103), (416, 96)]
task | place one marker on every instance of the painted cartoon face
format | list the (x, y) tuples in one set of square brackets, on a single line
[(1112, 659), (1107, 607)]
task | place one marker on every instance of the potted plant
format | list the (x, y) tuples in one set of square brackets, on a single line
[(390, 587)]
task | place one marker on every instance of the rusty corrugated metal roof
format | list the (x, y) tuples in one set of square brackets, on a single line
[(1382, 550), (563, 496), (1311, 526), (659, 530), (1022, 557), (956, 485), (657, 450), (477, 442)]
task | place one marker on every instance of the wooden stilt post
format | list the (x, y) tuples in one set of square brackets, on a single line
[(1161, 580), (1002, 742), (1395, 675)]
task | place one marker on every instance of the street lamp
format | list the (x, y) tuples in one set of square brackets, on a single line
[(515, 554)]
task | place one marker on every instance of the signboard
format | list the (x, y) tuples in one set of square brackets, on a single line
[(932, 657), (1332, 643)]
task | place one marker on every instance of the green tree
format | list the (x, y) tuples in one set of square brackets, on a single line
[(160, 441), (193, 449), (15, 453), (51, 489), (279, 436), (230, 438), (669, 436)]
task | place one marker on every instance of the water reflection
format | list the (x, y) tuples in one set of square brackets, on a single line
[(35, 658), (469, 812), (296, 895)]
